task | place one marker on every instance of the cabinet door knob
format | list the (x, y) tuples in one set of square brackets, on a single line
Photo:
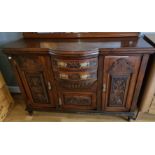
[(9, 57), (104, 88), (49, 86), (60, 102)]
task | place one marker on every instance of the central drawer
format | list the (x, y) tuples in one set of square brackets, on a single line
[(74, 76), (75, 65), (76, 73), (78, 100), (76, 82)]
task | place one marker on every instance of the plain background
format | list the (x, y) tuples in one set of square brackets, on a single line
[(77, 16)]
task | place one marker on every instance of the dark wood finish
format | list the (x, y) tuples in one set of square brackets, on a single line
[(76, 79), (78, 101), (120, 75), (33, 71), (95, 75), (79, 34)]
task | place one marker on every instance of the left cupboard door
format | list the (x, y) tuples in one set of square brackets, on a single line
[(37, 79)]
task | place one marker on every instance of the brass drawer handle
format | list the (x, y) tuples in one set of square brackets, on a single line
[(74, 76), (84, 64), (63, 76), (73, 64), (84, 76), (62, 64)]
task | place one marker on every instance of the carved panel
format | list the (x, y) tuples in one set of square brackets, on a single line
[(120, 72), (76, 84), (121, 66), (78, 100), (117, 91), (28, 62), (37, 87)]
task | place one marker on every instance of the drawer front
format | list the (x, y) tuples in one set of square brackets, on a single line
[(75, 65), (79, 84), (77, 75), (78, 100)]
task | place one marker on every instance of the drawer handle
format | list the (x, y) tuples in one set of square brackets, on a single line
[(84, 64), (76, 65), (74, 76), (85, 76), (62, 64), (63, 76)]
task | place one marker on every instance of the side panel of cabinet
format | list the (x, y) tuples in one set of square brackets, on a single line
[(36, 79), (119, 80)]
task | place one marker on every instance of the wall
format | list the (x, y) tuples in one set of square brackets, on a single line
[(5, 67), (9, 36)]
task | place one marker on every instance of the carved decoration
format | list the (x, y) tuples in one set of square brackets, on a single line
[(117, 94), (121, 66), (28, 62), (120, 72), (37, 87), (67, 84), (78, 100), (73, 64)]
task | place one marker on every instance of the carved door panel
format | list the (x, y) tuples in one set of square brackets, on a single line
[(36, 79), (119, 79), (78, 100)]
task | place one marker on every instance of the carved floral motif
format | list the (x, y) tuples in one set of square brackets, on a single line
[(120, 72), (68, 84), (37, 87), (78, 100), (117, 94), (27, 62), (121, 66)]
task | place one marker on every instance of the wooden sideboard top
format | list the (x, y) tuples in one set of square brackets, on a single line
[(74, 45)]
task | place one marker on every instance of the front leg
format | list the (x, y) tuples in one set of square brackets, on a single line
[(29, 110)]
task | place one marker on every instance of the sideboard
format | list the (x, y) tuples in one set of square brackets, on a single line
[(90, 73)]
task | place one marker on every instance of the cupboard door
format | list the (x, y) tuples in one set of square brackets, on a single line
[(119, 79), (36, 79)]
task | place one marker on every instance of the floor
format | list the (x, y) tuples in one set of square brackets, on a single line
[(18, 114)]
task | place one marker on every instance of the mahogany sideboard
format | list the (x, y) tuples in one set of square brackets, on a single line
[(88, 74)]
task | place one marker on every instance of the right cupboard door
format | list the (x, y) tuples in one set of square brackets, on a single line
[(119, 80)]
